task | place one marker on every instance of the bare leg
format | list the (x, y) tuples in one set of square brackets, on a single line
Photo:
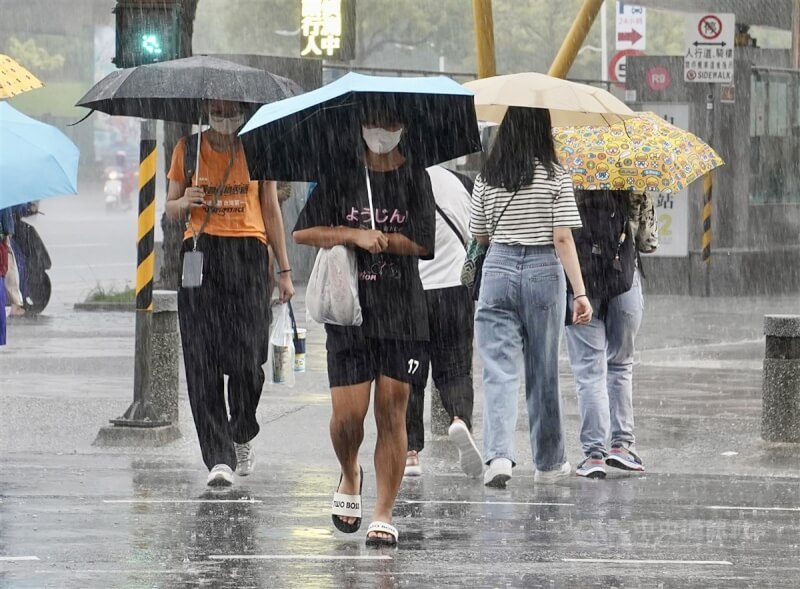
[(350, 405), (391, 398)]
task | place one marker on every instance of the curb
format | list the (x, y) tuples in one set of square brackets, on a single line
[(106, 307)]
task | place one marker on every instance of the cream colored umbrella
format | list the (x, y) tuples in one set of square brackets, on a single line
[(15, 79), (570, 104)]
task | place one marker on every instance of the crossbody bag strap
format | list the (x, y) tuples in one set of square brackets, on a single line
[(504, 210), (451, 225)]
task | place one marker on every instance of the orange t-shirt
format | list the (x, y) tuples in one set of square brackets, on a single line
[(238, 210)]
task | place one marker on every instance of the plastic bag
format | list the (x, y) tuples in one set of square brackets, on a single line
[(332, 291), (12, 280), (280, 357)]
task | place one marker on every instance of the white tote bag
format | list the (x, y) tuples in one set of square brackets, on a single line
[(332, 291)]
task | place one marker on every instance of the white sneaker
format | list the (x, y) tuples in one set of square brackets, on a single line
[(220, 476), (469, 455), (413, 465), (245, 459), (548, 477), (498, 473)]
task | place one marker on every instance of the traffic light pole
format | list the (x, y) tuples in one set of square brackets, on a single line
[(141, 413), (575, 37), (484, 38)]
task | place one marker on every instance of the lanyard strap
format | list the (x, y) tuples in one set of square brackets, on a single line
[(369, 198), (217, 194)]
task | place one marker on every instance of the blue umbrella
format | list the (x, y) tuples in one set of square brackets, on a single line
[(303, 137), (36, 160)]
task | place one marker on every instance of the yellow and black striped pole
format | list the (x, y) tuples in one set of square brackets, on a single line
[(145, 238), (708, 188), (140, 413)]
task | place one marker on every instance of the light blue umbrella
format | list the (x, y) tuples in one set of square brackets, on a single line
[(302, 137), (36, 160)]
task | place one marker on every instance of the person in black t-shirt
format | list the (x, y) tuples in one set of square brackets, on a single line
[(387, 347)]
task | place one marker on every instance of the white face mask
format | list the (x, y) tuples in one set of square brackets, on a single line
[(380, 140), (226, 125)]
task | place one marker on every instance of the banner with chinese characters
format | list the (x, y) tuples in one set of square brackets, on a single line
[(328, 29), (672, 213)]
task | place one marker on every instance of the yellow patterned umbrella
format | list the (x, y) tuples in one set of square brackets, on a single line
[(644, 153), (15, 79)]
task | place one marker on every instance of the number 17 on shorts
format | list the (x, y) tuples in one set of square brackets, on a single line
[(413, 366)]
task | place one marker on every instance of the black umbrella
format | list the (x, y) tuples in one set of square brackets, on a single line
[(176, 90), (305, 137)]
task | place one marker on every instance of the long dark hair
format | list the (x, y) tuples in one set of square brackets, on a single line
[(524, 140)]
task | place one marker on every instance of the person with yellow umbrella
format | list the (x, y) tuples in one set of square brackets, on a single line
[(523, 208), (614, 158), (616, 171)]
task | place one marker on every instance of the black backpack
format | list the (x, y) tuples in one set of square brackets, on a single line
[(605, 244)]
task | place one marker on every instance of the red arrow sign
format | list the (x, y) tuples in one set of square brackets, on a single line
[(632, 37)]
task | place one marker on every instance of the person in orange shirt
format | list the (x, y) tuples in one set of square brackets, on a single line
[(224, 299)]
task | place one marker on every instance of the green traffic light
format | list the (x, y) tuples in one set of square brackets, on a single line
[(151, 44)]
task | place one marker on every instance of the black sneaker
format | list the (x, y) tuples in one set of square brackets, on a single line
[(592, 467)]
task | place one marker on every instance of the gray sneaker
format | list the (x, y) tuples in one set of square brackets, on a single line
[(593, 466), (220, 476), (624, 458), (548, 477), (245, 459)]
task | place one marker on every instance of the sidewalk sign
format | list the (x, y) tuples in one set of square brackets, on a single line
[(709, 49)]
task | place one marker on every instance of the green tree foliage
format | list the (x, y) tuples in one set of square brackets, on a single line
[(412, 34), (34, 57)]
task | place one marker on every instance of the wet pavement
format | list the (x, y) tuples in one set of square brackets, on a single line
[(717, 508)]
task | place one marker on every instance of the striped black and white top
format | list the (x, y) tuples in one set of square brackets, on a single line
[(532, 213)]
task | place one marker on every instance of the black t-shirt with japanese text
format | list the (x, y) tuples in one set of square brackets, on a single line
[(390, 291)]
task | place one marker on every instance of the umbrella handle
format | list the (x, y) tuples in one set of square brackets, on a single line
[(197, 162), (369, 198)]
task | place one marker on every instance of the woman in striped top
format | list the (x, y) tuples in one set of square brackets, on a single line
[(524, 207)]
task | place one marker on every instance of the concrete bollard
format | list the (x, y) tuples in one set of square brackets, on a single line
[(780, 418), (165, 361), (152, 420)]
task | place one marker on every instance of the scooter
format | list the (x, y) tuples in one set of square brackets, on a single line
[(117, 190), (37, 261)]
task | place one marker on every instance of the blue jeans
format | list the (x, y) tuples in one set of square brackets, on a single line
[(518, 324), (601, 356)]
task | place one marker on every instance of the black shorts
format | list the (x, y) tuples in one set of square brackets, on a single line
[(354, 358)]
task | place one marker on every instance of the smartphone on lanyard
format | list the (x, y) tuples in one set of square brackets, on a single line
[(192, 276)]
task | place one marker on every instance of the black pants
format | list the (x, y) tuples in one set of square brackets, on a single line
[(224, 330), (450, 318)]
